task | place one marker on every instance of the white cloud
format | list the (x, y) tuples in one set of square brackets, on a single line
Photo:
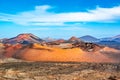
[(38, 29), (46, 23), (41, 16), (67, 27)]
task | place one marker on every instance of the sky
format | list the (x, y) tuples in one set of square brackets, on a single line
[(60, 18)]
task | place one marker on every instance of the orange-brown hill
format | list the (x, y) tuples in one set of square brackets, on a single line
[(36, 52), (73, 38), (10, 50)]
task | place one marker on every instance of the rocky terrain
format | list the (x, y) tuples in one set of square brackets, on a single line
[(59, 71)]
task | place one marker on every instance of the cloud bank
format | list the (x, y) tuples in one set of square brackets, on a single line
[(41, 16)]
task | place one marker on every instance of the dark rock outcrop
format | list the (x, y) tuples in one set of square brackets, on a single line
[(89, 47)]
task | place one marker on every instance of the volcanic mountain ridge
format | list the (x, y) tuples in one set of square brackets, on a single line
[(23, 39)]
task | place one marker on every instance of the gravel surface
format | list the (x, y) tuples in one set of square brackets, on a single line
[(59, 71)]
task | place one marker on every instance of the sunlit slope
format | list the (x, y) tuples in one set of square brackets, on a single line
[(44, 53)]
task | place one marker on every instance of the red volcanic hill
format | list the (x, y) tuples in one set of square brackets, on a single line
[(10, 50), (59, 41), (56, 42), (23, 38), (74, 39)]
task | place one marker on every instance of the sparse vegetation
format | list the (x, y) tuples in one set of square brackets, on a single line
[(59, 71)]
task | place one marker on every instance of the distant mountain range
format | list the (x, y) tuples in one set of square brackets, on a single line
[(89, 38), (113, 42), (27, 38), (114, 38)]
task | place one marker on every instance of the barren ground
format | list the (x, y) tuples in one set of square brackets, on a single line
[(59, 71)]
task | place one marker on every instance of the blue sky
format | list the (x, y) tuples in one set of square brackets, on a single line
[(60, 18)]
